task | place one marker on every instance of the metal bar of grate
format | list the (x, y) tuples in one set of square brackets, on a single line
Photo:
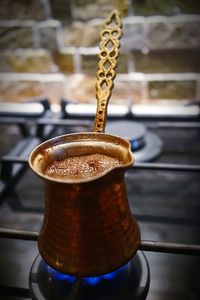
[(9, 185), (74, 121), (165, 247), (181, 125), (14, 159), (88, 123), (12, 120), (154, 246), (166, 167), (18, 234)]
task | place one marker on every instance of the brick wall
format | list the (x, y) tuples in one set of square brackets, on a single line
[(50, 47)]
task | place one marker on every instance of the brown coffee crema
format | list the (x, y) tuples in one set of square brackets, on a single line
[(82, 167)]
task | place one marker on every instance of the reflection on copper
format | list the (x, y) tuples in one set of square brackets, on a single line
[(88, 228)]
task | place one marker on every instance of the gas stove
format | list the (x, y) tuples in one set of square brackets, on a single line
[(130, 281), (163, 192)]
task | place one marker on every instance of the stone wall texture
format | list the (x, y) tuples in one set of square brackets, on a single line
[(30, 61), (169, 7), (16, 35), (87, 9), (24, 10), (166, 61), (159, 54)]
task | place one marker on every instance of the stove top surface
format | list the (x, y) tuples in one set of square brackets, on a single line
[(165, 203)]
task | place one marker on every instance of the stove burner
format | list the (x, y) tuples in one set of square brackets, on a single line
[(146, 145), (121, 272), (129, 282)]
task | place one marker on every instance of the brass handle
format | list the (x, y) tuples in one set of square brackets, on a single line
[(109, 52)]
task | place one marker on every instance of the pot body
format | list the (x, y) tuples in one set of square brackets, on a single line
[(88, 228)]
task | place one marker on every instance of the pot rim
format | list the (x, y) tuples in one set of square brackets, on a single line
[(55, 141)]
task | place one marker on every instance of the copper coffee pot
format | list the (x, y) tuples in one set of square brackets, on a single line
[(88, 228)]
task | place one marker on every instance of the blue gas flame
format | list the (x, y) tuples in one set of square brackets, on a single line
[(89, 280), (135, 145)]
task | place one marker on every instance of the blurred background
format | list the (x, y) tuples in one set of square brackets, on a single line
[(49, 48), (48, 52)]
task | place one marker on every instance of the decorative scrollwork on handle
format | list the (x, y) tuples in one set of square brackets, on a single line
[(109, 52)]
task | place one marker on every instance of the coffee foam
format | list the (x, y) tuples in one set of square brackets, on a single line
[(82, 166)]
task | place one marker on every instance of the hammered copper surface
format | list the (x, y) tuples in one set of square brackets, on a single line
[(88, 228)]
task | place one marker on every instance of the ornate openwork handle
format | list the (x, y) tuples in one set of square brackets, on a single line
[(109, 52)]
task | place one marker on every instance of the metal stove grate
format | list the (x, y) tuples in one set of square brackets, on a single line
[(41, 125)]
